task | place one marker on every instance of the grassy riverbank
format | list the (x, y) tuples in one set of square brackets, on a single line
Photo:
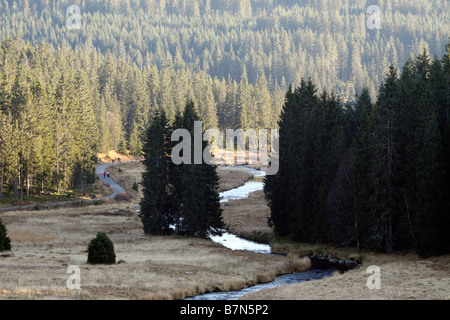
[(404, 276), (46, 242), (248, 218), (98, 190)]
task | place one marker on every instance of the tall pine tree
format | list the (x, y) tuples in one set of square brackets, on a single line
[(156, 204)]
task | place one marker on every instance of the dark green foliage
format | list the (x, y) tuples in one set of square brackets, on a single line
[(184, 195), (368, 175), (383, 174), (278, 187), (386, 116), (198, 184), (156, 205), (122, 147), (101, 250), (136, 186), (54, 82), (5, 242), (57, 116), (311, 146), (49, 133), (363, 144), (431, 217)]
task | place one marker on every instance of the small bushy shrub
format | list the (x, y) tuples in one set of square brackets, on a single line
[(136, 187), (5, 242), (125, 197), (101, 250)]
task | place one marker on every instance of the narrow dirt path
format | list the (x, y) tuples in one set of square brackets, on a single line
[(99, 170), (109, 181)]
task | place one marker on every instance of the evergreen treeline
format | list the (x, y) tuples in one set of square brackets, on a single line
[(286, 39), (48, 129), (370, 175), (59, 108), (182, 197)]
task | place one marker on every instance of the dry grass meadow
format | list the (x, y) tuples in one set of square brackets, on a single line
[(46, 242), (248, 218), (107, 158), (403, 277)]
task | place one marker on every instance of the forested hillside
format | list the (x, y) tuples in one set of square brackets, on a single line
[(66, 95), (60, 108), (286, 39)]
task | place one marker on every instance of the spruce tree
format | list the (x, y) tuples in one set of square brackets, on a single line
[(329, 120), (5, 149), (364, 149), (386, 116), (5, 93), (200, 211), (5, 241), (290, 193), (243, 100), (431, 221), (101, 250), (279, 192), (175, 172), (407, 148), (263, 101), (304, 139), (156, 204)]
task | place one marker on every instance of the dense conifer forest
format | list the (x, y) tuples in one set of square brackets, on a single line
[(285, 39), (363, 114), (374, 175)]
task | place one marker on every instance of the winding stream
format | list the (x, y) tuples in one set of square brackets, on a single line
[(279, 281), (233, 242)]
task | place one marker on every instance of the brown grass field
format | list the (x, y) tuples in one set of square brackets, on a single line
[(46, 242), (403, 277), (248, 218), (107, 158)]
